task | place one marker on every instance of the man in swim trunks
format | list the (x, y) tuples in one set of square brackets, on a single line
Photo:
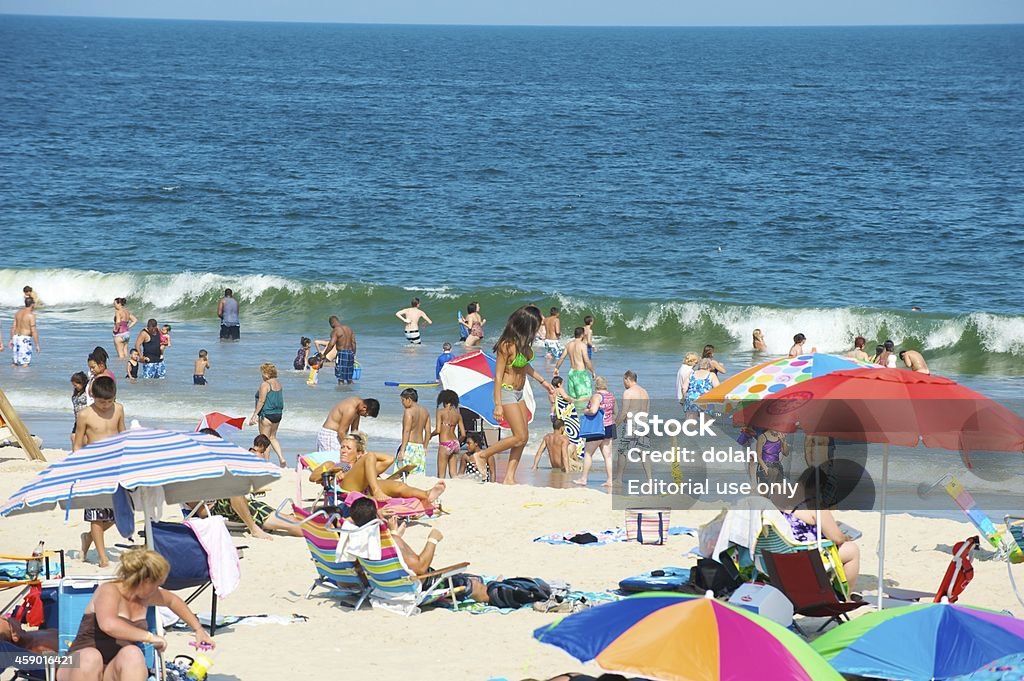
[(634, 400), (24, 335), (553, 334), (227, 311), (914, 361), (344, 341), (415, 432), (343, 419), (412, 316), (580, 384)]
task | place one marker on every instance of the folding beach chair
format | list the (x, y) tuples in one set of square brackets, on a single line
[(190, 568), (958, 575), (333, 572), (800, 575), (777, 537), (396, 587), (1015, 528)]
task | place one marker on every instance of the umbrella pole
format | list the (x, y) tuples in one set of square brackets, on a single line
[(881, 531)]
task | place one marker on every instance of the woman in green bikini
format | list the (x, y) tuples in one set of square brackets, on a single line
[(514, 352)]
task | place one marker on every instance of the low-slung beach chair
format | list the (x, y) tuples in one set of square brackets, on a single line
[(395, 586), (776, 537), (337, 574), (800, 575), (958, 575)]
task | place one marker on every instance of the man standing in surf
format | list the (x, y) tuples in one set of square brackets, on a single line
[(344, 341), (580, 385), (227, 311), (411, 317), (24, 335)]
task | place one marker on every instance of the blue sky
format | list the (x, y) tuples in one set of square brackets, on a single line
[(550, 12)]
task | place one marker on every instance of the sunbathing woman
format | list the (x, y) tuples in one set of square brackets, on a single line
[(514, 352), (358, 471), (115, 620)]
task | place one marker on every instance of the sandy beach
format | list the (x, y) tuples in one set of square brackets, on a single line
[(493, 528)]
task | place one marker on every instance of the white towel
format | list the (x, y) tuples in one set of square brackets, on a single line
[(149, 500), (359, 542), (222, 556)]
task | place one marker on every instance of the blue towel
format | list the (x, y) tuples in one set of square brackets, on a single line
[(124, 513)]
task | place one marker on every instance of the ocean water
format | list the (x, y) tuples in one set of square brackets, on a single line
[(682, 185)]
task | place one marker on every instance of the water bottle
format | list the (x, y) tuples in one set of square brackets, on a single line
[(35, 565)]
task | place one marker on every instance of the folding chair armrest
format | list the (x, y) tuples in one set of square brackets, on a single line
[(329, 519), (407, 468), (442, 571)]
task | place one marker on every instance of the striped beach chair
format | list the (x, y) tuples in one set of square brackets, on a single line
[(395, 587), (339, 575), (777, 537)]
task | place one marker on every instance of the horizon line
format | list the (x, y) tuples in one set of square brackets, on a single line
[(497, 25)]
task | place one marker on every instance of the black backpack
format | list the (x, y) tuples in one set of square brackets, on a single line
[(710, 575), (517, 592)]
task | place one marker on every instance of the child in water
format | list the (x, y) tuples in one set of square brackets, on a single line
[(199, 372), (301, 362), (79, 398), (133, 366)]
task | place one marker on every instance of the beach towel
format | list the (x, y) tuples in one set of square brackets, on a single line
[(124, 513), (614, 535), (221, 554), (359, 542)]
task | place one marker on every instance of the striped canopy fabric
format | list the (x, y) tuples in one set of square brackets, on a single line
[(187, 466)]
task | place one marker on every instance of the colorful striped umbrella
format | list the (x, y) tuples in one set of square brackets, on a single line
[(766, 379), (186, 466), (673, 637), (472, 377), (927, 641)]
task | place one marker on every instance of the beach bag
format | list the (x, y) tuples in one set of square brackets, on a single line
[(719, 578), (592, 426), (30, 611), (647, 525), (357, 371), (517, 592)]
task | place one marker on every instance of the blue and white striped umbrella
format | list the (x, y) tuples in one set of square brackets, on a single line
[(187, 466)]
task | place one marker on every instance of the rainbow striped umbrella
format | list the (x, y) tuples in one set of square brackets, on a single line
[(674, 637), (186, 466), (770, 377)]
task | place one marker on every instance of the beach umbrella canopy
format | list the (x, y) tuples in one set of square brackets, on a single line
[(222, 423), (471, 376), (921, 642), (891, 407), (1007, 668), (673, 637), (185, 466), (770, 377)]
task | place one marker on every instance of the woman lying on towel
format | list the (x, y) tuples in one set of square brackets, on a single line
[(359, 469), (114, 623)]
